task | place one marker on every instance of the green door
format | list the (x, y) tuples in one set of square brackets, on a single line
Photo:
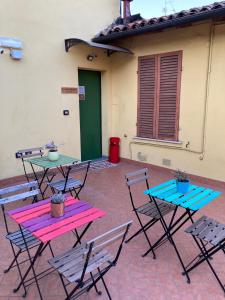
[(90, 115)]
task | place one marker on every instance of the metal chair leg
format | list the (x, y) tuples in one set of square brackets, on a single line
[(105, 286), (146, 236), (95, 285), (12, 263), (146, 226)]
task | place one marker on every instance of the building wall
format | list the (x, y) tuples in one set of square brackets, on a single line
[(31, 99), (200, 152)]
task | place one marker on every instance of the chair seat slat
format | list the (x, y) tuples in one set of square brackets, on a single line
[(60, 185), (214, 233), (18, 187), (18, 239), (19, 197), (208, 230), (94, 264), (196, 224)]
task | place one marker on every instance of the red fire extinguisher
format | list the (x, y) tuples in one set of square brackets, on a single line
[(114, 150)]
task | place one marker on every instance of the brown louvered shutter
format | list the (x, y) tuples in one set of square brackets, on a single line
[(146, 96), (169, 69)]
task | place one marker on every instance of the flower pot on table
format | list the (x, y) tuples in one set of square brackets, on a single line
[(183, 186), (53, 155), (57, 210)]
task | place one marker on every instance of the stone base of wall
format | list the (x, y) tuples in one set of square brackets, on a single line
[(203, 180)]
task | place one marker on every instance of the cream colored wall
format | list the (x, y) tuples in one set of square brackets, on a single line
[(195, 42), (31, 99)]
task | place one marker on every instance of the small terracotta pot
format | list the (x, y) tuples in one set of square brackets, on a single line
[(57, 210)]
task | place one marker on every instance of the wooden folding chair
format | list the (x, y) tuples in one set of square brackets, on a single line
[(69, 183), (149, 209), (87, 264), (19, 240)]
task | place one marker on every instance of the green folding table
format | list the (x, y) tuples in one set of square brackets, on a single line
[(44, 163)]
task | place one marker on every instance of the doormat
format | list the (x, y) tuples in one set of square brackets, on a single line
[(100, 164)]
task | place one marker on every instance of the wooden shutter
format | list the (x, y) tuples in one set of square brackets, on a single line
[(146, 96), (169, 69)]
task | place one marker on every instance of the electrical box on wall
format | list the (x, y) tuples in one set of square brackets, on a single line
[(66, 112)]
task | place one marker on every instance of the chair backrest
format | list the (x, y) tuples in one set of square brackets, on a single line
[(101, 242), (28, 153), (78, 167), (16, 193), (137, 177)]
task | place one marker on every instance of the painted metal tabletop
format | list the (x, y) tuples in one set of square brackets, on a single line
[(194, 199), (37, 218), (45, 163)]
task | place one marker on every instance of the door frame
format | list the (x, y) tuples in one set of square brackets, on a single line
[(100, 71)]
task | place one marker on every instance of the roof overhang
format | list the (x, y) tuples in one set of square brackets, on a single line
[(109, 48), (212, 14)]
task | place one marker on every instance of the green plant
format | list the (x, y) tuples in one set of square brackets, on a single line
[(181, 176), (51, 146), (58, 198)]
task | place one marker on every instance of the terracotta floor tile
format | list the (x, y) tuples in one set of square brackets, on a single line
[(134, 278)]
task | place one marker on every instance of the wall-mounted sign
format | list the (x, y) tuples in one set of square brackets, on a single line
[(68, 90), (81, 93)]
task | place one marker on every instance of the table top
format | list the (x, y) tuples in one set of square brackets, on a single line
[(38, 220), (194, 199), (45, 163)]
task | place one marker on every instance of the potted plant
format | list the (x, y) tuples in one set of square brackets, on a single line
[(53, 153), (57, 205), (182, 181)]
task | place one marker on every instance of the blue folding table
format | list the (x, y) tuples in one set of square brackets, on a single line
[(196, 198)]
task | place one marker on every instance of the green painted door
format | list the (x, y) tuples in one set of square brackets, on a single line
[(90, 115)]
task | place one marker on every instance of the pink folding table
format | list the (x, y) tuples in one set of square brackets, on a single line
[(36, 218)]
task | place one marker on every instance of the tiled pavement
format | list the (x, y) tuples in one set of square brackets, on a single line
[(134, 277)]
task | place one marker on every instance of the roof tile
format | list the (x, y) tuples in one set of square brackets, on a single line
[(144, 22)]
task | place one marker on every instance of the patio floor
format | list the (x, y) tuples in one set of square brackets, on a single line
[(134, 277)]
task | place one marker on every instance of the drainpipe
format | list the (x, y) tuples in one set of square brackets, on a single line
[(209, 66), (203, 140)]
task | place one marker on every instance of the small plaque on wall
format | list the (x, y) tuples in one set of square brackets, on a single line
[(68, 90), (81, 93)]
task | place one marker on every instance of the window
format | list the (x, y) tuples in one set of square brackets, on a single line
[(159, 78)]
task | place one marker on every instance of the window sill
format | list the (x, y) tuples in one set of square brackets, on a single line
[(178, 143)]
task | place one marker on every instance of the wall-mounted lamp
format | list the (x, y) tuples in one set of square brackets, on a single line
[(91, 56), (16, 54), (15, 47)]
